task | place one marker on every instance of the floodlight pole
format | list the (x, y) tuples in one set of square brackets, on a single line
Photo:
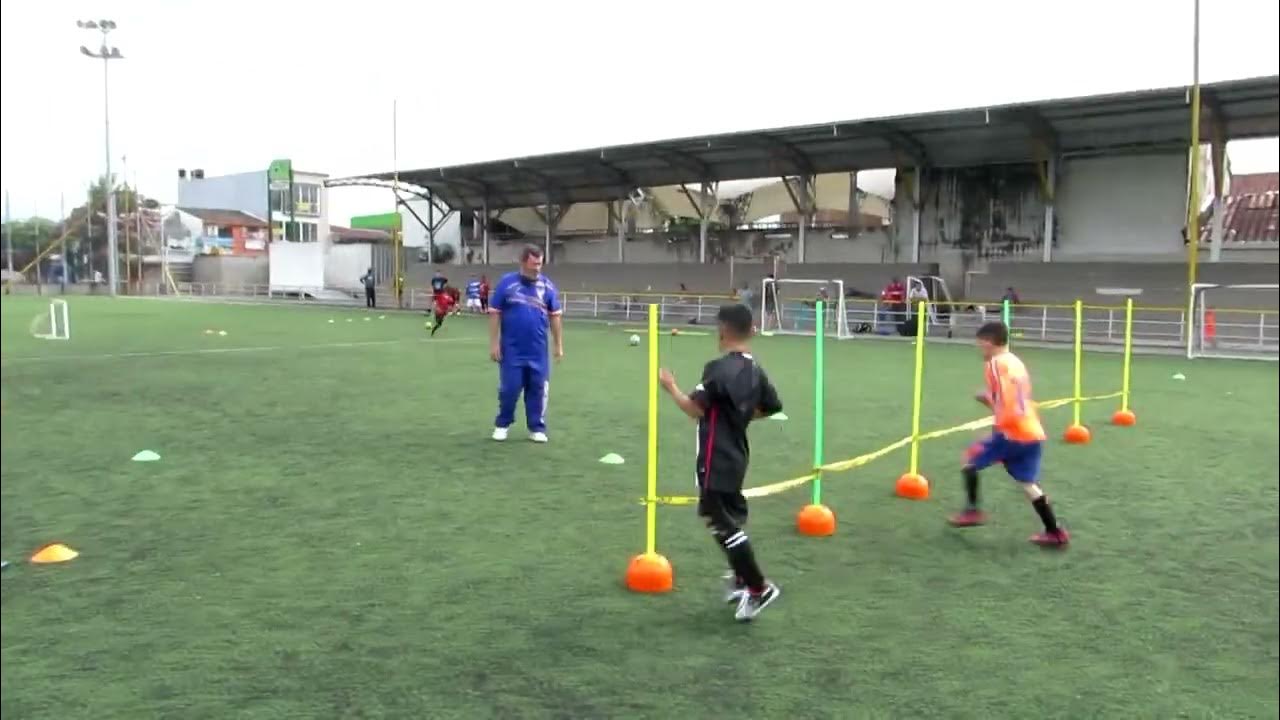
[(1193, 198), (106, 54)]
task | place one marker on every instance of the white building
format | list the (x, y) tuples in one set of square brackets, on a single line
[(304, 217)]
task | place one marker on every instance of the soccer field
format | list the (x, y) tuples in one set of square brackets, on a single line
[(330, 533)]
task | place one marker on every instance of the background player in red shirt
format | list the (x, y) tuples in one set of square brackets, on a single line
[(455, 299), (444, 303)]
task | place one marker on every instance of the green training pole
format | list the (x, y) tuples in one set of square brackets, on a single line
[(1006, 315), (819, 325)]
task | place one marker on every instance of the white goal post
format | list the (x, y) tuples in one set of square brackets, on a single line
[(53, 324), (1240, 322), (789, 307)]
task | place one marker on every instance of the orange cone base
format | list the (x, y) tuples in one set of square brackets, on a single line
[(1124, 418), (649, 573), (912, 487), (816, 521), (54, 553), (1077, 435)]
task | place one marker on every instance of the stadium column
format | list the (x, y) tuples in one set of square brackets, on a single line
[(1049, 187), (484, 232), (706, 207), (621, 227), (854, 213), (431, 227), (551, 219), (1217, 155), (806, 206), (917, 179)]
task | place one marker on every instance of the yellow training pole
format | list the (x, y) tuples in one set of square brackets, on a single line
[(913, 485), (651, 493), (1077, 433), (918, 392), (650, 572), (1124, 416), (1076, 389), (1128, 354)]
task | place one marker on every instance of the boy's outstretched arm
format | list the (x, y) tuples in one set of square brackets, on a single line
[(770, 403), (686, 404)]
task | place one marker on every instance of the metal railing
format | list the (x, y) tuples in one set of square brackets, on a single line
[(1153, 327)]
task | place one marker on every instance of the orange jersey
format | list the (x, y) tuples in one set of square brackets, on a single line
[(1009, 386)]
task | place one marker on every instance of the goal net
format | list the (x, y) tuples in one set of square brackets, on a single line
[(790, 306), (54, 323), (1235, 321)]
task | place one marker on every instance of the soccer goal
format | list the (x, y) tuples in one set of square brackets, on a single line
[(54, 323), (789, 307), (1240, 322)]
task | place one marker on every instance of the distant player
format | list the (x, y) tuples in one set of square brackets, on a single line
[(734, 391), (473, 294), (438, 284), (484, 293), (370, 283), (444, 303), (455, 297), (1016, 440)]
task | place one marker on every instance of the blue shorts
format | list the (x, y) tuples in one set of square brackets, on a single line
[(1021, 459)]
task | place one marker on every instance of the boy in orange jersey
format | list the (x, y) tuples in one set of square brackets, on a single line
[(1017, 438)]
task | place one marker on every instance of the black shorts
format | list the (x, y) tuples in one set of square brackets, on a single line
[(723, 511)]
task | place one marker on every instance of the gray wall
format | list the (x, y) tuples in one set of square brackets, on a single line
[(1162, 284), (1124, 207), (230, 269)]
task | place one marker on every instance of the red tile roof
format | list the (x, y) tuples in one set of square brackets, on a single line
[(1254, 183), (1246, 218)]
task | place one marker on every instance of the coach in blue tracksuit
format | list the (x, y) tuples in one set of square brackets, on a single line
[(523, 307)]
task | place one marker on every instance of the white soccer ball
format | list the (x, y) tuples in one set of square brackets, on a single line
[(635, 340)]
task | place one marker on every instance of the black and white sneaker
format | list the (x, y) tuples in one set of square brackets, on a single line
[(750, 604), (733, 588)]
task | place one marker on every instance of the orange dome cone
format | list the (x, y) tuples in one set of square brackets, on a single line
[(649, 573), (912, 486), (816, 521), (1124, 418), (54, 553), (1077, 435)]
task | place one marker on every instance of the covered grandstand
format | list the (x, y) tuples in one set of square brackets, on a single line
[(1096, 187)]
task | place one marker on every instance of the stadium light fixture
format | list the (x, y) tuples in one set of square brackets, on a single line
[(106, 53)]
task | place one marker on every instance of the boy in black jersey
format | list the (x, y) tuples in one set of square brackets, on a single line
[(733, 392)]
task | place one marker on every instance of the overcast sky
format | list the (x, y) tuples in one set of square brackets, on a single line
[(229, 85)]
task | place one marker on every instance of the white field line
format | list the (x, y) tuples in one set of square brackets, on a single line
[(220, 351)]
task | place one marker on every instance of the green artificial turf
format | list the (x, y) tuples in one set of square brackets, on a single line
[(330, 533)]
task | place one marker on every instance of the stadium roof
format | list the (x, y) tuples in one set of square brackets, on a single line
[(1153, 120)]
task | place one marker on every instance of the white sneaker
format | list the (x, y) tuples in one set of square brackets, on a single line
[(499, 434), (750, 605), (733, 591), (538, 437)]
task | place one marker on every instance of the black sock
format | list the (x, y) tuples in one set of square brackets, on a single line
[(1041, 504), (743, 560), (971, 487)]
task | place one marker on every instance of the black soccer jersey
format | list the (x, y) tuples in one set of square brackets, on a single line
[(732, 390)]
